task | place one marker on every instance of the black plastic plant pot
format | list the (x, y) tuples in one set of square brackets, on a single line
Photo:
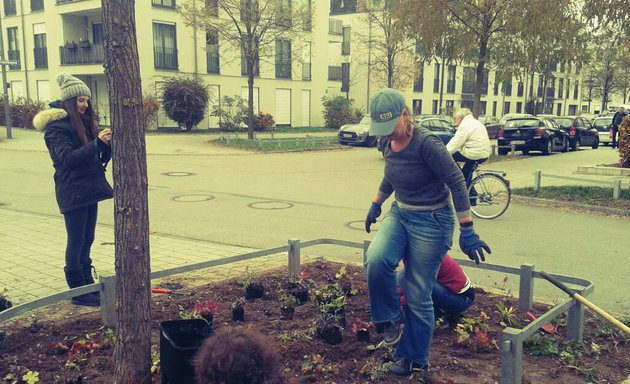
[(254, 291), (5, 304), (363, 335), (301, 294), (179, 341), (330, 333), (238, 314), (208, 317), (339, 314)]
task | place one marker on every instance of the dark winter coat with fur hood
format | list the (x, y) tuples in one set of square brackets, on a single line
[(79, 169)]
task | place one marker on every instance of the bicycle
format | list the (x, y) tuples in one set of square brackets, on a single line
[(489, 193)]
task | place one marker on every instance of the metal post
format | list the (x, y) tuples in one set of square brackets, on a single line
[(526, 288), (616, 189), (494, 150), (5, 92), (513, 149), (575, 321), (511, 357), (294, 258), (537, 177), (108, 300)]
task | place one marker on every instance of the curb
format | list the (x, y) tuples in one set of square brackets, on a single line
[(570, 204)]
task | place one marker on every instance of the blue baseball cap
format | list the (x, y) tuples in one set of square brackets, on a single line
[(385, 108)]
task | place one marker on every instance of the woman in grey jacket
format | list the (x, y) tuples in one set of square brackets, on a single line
[(79, 153)]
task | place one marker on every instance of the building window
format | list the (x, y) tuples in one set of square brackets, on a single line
[(284, 14), (13, 52), (450, 107), (249, 11), (345, 77), (164, 46), (244, 65), (308, 17), (494, 108), (97, 33), (434, 107), (519, 91), (468, 85), (306, 61), (418, 83), (560, 88), (568, 88), (496, 86), (37, 5), (212, 51), (562, 65), (345, 45), (519, 107), (212, 7), (482, 108), (334, 72), (507, 87), (342, 6), (450, 84), (506, 107), (484, 82), (40, 50), (283, 59), (436, 78), (575, 89), (9, 8), (417, 106), (539, 93), (164, 3)]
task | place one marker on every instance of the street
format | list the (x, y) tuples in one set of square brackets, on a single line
[(262, 200)]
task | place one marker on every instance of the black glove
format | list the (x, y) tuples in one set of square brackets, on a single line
[(471, 245), (373, 213)]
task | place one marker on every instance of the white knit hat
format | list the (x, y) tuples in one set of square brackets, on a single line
[(72, 87)]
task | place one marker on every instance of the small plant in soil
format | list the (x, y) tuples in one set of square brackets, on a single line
[(288, 302), (329, 329), (508, 315), (336, 308), (344, 280), (300, 287), (473, 332), (238, 309), (253, 288), (362, 329), (206, 309)]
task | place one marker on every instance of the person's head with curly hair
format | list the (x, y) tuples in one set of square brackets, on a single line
[(237, 356)]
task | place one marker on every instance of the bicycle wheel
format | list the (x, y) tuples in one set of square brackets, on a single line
[(490, 197)]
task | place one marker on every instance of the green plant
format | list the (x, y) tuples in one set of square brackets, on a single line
[(338, 111), (538, 345), (247, 277), (287, 300), (473, 332), (508, 315), (232, 112), (238, 303), (624, 142), (185, 100), (31, 377)]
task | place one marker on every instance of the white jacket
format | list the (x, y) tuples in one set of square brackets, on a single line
[(471, 139)]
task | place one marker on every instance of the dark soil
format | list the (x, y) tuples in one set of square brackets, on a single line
[(63, 349)]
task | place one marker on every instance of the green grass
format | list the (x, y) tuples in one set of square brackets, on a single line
[(281, 145), (597, 196)]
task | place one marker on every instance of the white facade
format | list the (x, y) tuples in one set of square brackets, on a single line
[(47, 37)]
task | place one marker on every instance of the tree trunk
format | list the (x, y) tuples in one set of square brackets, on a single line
[(132, 351), (250, 101), (483, 53)]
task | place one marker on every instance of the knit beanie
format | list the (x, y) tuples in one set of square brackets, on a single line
[(72, 87)]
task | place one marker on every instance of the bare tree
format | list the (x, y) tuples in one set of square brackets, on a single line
[(254, 27), (132, 351)]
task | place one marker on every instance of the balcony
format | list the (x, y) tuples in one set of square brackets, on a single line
[(164, 3), (72, 54), (40, 56), (334, 73), (345, 48), (283, 70), (14, 55)]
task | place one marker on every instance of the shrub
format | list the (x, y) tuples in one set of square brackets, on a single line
[(232, 112), (624, 142), (22, 112), (338, 111), (150, 108), (185, 100), (263, 121)]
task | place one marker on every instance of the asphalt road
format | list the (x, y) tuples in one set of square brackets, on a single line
[(262, 200)]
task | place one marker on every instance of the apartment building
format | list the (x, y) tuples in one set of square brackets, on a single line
[(42, 38)]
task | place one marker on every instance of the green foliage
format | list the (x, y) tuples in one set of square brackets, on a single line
[(624, 142), (185, 100), (508, 315), (538, 345), (232, 112), (600, 196), (338, 111)]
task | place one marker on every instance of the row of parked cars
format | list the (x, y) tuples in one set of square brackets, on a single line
[(544, 133)]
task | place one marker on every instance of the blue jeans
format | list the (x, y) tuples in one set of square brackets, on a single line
[(423, 237), (452, 304)]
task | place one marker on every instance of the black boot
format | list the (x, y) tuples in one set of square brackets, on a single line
[(74, 278), (88, 278)]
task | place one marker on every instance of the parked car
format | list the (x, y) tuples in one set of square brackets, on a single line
[(532, 134), (580, 131), (509, 116), (492, 125), (439, 126), (357, 133), (602, 124)]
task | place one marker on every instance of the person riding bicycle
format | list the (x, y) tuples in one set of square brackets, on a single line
[(470, 144)]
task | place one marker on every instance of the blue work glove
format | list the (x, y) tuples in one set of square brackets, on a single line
[(373, 213), (471, 245)]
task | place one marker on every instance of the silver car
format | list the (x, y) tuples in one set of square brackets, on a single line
[(602, 124), (358, 133)]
